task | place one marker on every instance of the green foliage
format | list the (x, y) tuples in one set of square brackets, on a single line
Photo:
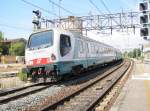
[(136, 53), (22, 75), (1, 36), (17, 49), (125, 54), (1, 46), (5, 50), (1, 49), (131, 55)]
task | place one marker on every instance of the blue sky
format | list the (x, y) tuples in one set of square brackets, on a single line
[(16, 16)]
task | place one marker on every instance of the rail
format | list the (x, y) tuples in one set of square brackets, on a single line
[(59, 103)]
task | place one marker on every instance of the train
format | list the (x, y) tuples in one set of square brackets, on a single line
[(54, 53)]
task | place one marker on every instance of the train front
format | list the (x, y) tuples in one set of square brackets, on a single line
[(40, 56)]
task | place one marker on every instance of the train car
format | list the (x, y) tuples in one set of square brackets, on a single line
[(53, 53)]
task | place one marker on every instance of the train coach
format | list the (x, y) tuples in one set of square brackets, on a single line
[(53, 53)]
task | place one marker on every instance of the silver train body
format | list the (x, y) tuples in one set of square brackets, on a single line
[(54, 53)]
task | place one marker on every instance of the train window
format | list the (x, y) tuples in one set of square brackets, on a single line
[(103, 49), (81, 46), (87, 45), (92, 49), (96, 50), (65, 44), (107, 50), (41, 39)]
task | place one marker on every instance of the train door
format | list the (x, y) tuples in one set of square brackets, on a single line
[(87, 53), (65, 54), (65, 47)]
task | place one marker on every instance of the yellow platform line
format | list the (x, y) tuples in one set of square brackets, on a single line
[(147, 86)]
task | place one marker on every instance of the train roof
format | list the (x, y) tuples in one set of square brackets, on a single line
[(79, 35), (75, 33)]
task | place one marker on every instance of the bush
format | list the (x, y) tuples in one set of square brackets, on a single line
[(22, 75), (17, 49)]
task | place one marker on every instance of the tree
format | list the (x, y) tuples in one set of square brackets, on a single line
[(130, 54), (125, 54), (5, 48), (1, 49), (17, 49), (134, 53), (1, 36), (1, 45), (138, 53)]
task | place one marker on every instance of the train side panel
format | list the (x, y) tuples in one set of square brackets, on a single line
[(70, 52)]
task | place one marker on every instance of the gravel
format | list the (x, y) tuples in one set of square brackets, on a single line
[(31, 100)]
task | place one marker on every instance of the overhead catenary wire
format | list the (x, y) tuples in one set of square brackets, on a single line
[(105, 6), (96, 7), (15, 27), (60, 7), (103, 3), (33, 5)]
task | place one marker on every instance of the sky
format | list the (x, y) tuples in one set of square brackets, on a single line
[(121, 40), (16, 15)]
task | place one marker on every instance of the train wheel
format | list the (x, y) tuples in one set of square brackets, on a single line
[(77, 70)]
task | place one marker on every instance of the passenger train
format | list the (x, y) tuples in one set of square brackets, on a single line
[(53, 53)]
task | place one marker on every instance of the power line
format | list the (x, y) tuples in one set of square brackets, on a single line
[(105, 6), (61, 7), (47, 11), (15, 27), (103, 3), (96, 6)]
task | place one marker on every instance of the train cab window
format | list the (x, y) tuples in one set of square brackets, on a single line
[(65, 44), (41, 39)]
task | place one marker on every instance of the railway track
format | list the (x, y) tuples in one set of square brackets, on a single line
[(84, 96), (13, 94), (8, 95), (64, 89)]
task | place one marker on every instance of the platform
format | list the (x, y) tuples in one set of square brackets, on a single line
[(135, 95)]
